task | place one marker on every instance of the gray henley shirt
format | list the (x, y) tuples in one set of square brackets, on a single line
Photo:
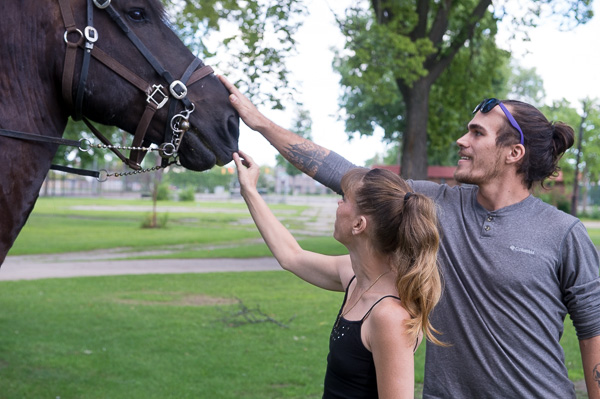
[(510, 278)]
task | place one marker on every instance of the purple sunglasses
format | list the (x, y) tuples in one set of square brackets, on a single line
[(486, 106)]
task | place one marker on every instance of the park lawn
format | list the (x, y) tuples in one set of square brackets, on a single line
[(167, 336), (59, 225), (217, 335)]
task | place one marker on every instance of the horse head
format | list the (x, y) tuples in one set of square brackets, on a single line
[(137, 62), (114, 62)]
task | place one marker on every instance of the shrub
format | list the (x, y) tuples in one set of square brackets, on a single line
[(187, 194), (163, 193)]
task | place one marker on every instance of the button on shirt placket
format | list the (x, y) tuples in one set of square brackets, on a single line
[(488, 225)]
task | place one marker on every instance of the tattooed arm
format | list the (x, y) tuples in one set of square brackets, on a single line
[(318, 162), (590, 356)]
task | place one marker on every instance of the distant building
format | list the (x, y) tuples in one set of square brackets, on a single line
[(438, 174), (300, 184)]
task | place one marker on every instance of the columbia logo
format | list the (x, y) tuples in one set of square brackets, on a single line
[(519, 249)]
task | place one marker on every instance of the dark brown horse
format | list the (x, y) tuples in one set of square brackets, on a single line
[(116, 63)]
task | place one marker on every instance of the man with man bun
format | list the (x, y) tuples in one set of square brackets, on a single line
[(513, 266)]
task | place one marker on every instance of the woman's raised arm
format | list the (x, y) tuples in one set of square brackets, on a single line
[(328, 272)]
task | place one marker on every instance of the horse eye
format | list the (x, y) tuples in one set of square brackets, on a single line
[(136, 15)]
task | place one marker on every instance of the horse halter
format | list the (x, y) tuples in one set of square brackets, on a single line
[(157, 97)]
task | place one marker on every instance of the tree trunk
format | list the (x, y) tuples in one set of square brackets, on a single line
[(414, 140)]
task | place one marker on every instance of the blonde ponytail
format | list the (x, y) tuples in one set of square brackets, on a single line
[(406, 229)]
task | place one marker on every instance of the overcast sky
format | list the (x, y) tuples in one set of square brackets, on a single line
[(568, 62)]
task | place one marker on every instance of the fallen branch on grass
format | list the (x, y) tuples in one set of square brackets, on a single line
[(246, 315)]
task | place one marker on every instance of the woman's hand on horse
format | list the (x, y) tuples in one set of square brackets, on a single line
[(248, 172), (248, 112)]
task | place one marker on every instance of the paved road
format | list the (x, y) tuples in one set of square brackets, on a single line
[(318, 219), (45, 266)]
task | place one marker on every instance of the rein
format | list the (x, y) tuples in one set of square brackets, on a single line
[(157, 95)]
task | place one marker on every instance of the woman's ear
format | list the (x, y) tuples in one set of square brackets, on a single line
[(360, 224)]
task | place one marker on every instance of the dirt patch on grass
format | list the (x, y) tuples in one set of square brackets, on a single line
[(172, 299)]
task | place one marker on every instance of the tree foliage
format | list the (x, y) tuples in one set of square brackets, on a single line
[(526, 85), (249, 40), (207, 180), (586, 116), (403, 56)]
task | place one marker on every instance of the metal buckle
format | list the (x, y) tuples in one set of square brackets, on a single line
[(157, 90), (178, 89), (91, 34), (101, 4)]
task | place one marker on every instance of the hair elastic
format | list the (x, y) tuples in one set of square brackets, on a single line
[(407, 196)]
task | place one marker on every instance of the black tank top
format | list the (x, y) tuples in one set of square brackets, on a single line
[(350, 366)]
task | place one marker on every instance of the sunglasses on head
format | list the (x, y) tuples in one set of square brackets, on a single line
[(486, 106)]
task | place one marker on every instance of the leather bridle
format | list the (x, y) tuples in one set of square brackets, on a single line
[(157, 95)]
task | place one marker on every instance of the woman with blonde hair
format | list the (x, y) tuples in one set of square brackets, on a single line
[(390, 277)]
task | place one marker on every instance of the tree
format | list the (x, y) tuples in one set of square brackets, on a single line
[(397, 51), (206, 180), (250, 39), (526, 85), (583, 159)]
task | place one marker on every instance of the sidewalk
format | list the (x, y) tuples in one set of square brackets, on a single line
[(59, 266), (318, 219)]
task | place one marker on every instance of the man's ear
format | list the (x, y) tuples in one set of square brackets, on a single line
[(360, 224), (516, 154)]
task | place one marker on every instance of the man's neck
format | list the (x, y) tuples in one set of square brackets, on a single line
[(497, 196)]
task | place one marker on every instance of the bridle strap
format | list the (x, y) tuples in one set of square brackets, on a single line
[(200, 74), (78, 171), (136, 156), (91, 36), (106, 141), (120, 69), (71, 52), (36, 137), (54, 140)]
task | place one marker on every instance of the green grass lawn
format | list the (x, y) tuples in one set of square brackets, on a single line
[(164, 336), (173, 336), (59, 225)]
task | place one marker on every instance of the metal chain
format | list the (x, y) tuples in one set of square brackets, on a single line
[(121, 147), (104, 174), (137, 172)]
